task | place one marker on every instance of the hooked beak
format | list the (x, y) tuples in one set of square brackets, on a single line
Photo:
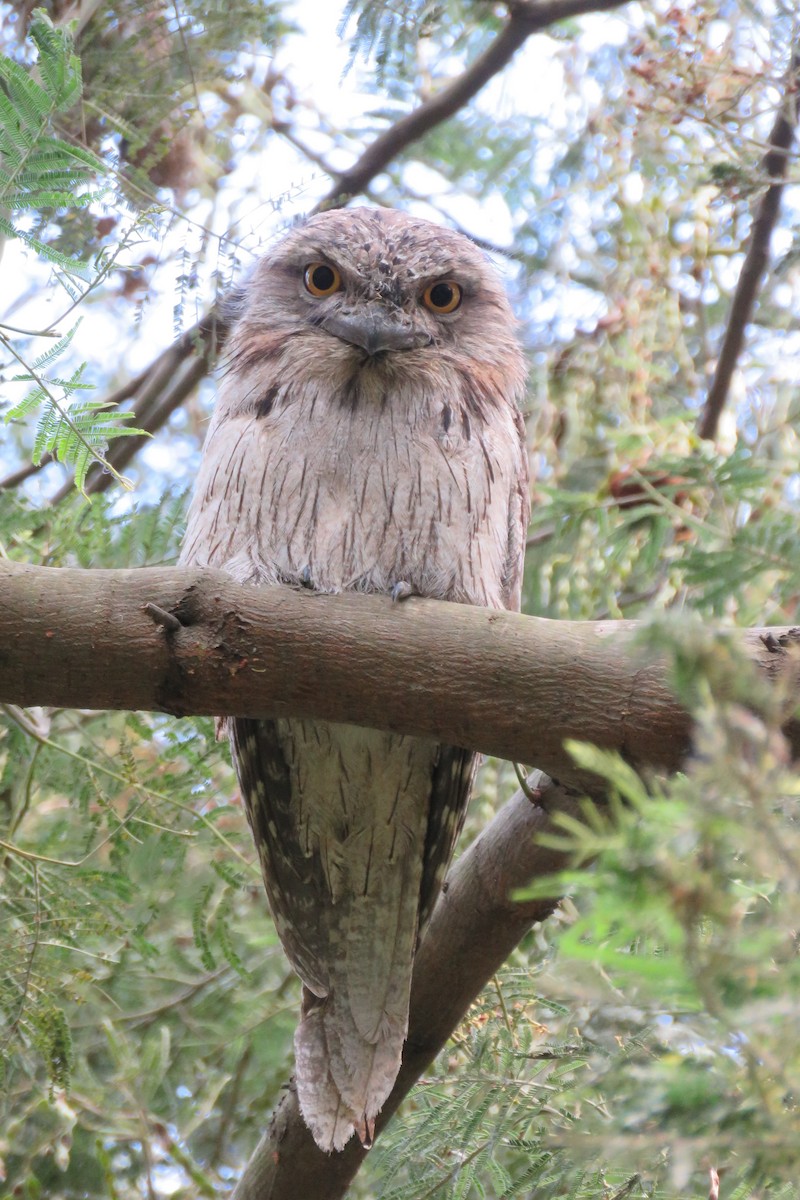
[(374, 328)]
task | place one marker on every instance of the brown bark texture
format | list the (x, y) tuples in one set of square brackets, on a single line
[(187, 641)]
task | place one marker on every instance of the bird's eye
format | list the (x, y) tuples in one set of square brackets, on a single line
[(442, 297), (321, 279)]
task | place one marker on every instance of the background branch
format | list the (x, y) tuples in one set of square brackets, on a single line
[(525, 19), (755, 262)]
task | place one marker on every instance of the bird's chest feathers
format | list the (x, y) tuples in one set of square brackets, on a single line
[(362, 496)]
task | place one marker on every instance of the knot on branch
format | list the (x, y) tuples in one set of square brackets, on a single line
[(783, 642), (166, 620)]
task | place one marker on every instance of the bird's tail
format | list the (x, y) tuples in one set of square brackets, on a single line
[(349, 1043), (343, 1077), (350, 871)]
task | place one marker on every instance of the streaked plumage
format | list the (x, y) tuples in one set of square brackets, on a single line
[(361, 440)]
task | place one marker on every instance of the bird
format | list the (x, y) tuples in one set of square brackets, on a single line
[(367, 436)]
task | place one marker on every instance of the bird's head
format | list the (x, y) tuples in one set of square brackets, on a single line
[(358, 295)]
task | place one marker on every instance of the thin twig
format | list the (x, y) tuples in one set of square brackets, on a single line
[(160, 616), (755, 263)]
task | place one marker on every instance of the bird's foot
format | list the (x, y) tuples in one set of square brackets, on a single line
[(402, 590), (304, 578)]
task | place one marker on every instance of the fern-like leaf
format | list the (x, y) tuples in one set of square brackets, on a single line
[(39, 169), (59, 67), (76, 432)]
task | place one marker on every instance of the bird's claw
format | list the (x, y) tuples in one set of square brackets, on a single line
[(304, 578), (366, 1131), (401, 591)]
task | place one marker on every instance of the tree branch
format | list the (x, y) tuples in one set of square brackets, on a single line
[(509, 685), (526, 17), (475, 926), (755, 262)]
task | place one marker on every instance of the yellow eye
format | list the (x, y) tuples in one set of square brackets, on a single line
[(444, 296), (321, 279)]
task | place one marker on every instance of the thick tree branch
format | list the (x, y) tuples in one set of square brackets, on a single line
[(474, 928), (506, 684), (755, 262)]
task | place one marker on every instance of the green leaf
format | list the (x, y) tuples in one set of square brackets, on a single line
[(60, 68)]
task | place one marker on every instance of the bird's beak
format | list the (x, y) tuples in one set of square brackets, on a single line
[(375, 328)]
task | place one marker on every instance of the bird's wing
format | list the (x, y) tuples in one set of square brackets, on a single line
[(292, 874), (519, 512), (453, 777)]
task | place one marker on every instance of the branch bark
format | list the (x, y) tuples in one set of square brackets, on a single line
[(755, 263), (475, 926), (182, 640)]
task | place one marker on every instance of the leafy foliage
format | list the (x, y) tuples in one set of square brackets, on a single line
[(75, 432), (389, 33), (41, 171), (38, 169), (652, 1024)]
